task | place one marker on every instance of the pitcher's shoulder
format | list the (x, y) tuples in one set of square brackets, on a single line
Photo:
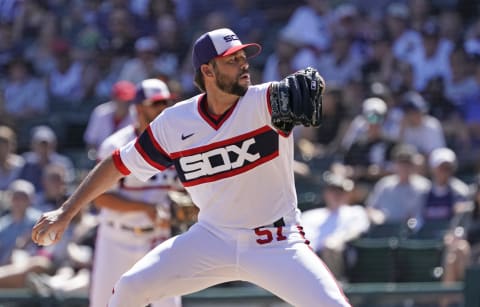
[(183, 107), (259, 87)]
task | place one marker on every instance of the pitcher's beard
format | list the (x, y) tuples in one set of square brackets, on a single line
[(234, 88)]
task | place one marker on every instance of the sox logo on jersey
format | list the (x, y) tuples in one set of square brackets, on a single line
[(226, 158), (201, 164)]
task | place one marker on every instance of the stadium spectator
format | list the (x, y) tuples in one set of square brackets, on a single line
[(43, 152), (329, 228), (144, 65), (10, 163), (393, 118), (325, 142), (104, 69), (431, 59), (247, 20), (315, 16), (462, 83), (418, 128), (65, 82), (67, 264), (398, 197), (449, 115), (22, 260), (400, 79), (110, 116), (16, 225), (462, 243), (289, 56), (39, 52), (32, 266), (354, 93), (448, 194), (194, 12), (458, 255), (378, 64), (32, 17), (154, 11), (369, 158), (116, 24), (345, 20), (9, 10), (369, 132), (341, 63), (8, 49), (21, 85), (55, 188), (171, 48), (404, 39), (470, 130), (374, 108), (420, 11), (216, 20), (450, 23), (472, 38), (79, 26)]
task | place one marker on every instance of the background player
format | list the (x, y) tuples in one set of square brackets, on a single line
[(110, 116), (134, 215), (233, 151)]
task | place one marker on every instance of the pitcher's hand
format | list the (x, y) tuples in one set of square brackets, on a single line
[(50, 227)]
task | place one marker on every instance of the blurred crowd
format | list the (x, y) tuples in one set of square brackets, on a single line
[(399, 142)]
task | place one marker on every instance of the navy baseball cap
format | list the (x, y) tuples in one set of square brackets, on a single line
[(151, 90), (218, 43)]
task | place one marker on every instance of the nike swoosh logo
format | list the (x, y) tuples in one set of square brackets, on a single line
[(184, 137)]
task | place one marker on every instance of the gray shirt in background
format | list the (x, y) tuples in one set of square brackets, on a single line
[(398, 201)]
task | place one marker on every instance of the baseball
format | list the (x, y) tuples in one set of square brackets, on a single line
[(48, 240)]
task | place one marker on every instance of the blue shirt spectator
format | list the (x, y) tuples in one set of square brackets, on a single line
[(44, 142), (16, 226), (20, 87), (10, 163)]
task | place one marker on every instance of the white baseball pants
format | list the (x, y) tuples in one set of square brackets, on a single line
[(275, 258), (116, 251)]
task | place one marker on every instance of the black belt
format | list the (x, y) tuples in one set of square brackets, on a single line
[(137, 230), (278, 223)]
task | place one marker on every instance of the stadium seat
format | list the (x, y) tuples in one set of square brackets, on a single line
[(431, 229), (419, 260), (386, 230), (371, 260), (321, 164)]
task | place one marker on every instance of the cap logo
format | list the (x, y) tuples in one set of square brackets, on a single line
[(229, 38), (150, 92), (220, 42), (152, 89)]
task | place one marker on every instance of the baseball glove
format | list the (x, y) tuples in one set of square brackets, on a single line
[(297, 100)]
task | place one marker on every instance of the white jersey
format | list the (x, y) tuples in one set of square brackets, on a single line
[(154, 190), (218, 161), (101, 123)]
